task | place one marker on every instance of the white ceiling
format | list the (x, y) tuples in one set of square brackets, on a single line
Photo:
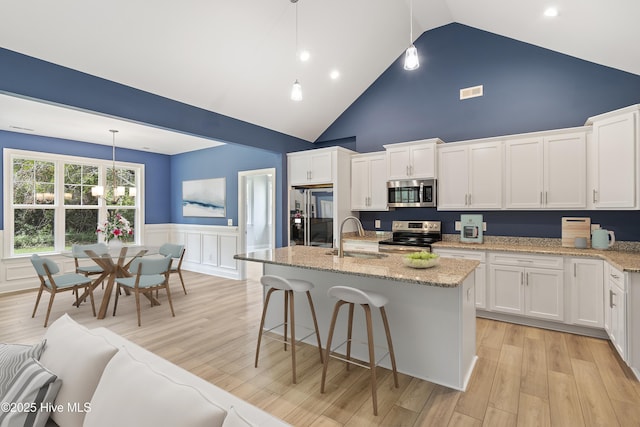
[(237, 58)]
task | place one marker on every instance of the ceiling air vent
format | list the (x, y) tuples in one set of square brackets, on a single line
[(471, 92)]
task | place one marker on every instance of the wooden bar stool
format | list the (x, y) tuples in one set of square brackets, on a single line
[(352, 296), (289, 286)]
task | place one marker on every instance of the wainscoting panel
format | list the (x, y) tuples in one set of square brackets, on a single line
[(209, 250)]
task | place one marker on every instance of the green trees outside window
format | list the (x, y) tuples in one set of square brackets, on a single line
[(52, 203)]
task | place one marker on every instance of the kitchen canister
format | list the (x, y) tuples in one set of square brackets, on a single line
[(580, 242), (602, 239)]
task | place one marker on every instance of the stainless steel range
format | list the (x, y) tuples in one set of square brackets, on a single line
[(412, 236)]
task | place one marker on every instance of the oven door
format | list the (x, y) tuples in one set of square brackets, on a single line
[(395, 248)]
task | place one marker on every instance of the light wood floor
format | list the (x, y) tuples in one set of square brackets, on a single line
[(524, 376)]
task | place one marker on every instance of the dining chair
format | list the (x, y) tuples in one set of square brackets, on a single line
[(177, 253), (79, 252), (150, 274), (54, 283)]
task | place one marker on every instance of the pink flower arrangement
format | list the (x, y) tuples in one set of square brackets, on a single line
[(115, 227)]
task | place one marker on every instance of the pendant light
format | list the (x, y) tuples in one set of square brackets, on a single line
[(411, 61), (118, 190), (296, 90)]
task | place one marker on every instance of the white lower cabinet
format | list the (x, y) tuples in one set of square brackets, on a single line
[(527, 285), (615, 309), (587, 292), (481, 271)]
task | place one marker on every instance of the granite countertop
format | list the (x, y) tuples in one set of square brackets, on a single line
[(449, 273), (625, 258)]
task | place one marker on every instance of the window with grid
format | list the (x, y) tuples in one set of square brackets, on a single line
[(52, 206)]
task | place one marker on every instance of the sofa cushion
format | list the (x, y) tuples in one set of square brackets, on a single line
[(78, 357), (29, 396), (131, 393), (12, 356)]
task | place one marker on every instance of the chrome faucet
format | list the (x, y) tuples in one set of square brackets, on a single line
[(360, 233)]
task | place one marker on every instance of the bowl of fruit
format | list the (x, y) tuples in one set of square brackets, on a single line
[(421, 259)]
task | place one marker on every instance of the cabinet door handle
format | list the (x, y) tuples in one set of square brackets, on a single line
[(541, 197), (469, 294), (611, 295), (522, 278), (526, 279), (546, 197), (575, 274), (595, 198)]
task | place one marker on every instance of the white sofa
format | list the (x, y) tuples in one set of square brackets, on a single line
[(110, 381)]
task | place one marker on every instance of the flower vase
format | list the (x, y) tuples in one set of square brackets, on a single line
[(115, 244)]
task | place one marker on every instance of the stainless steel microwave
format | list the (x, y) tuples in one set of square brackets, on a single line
[(413, 193)]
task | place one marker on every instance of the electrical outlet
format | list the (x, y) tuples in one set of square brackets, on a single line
[(229, 222), (458, 226), (484, 226), (595, 227), (377, 223)]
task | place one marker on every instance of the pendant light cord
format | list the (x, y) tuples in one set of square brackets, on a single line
[(113, 158), (411, 22)]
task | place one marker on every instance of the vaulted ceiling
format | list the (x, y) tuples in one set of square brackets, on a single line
[(238, 58)]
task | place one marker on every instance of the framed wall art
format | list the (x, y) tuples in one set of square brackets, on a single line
[(204, 197)]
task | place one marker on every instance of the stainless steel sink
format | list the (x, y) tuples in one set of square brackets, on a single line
[(354, 254)]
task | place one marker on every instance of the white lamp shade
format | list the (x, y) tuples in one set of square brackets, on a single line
[(411, 61), (97, 191), (296, 91)]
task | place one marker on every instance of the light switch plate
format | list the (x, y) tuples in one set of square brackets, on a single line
[(377, 223), (595, 227), (484, 226), (458, 226), (229, 222)]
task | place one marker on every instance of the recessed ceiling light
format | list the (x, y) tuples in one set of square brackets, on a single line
[(304, 55), (334, 74), (551, 12)]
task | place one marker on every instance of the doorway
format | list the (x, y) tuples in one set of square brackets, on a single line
[(256, 216)]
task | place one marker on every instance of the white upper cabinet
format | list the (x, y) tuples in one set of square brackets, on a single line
[(470, 176), (523, 183), (565, 171), (310, 167), (369, 182), (546, 171), (615, 166), (412, 160)]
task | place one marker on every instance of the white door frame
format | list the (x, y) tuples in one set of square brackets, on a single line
[(242, 212)]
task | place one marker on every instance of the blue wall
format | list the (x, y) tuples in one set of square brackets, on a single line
[(526, 89), (223, 161), (30, 77), (156, 179)]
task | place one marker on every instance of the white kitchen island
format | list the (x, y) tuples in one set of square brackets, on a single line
[(431, 311)]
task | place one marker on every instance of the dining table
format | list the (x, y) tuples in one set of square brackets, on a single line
[(115, 264)]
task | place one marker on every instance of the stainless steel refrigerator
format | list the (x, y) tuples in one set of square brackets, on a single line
[(311, 216)]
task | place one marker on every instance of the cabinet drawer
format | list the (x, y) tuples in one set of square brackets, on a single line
[(450, 253), (616, 276), (527, 260)]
